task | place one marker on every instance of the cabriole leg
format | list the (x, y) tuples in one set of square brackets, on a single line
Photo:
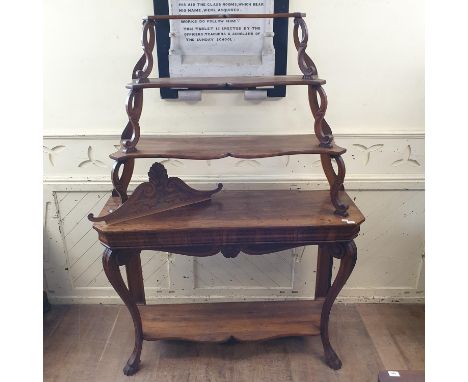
[(111, 261), (347, 253)]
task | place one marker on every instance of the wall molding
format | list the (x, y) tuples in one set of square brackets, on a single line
[(312, 181), (167, 299), (343, 133)]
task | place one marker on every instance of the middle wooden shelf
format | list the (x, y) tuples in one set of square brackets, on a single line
[(204, 147)]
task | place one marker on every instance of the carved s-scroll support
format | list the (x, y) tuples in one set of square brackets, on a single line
[(335, 180), (111, 260), (121, 183), (131, 133), (347, 253), (322, 129), (307, 66), (139, 66), (143, 70)]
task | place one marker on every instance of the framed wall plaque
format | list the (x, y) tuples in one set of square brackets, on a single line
[(218, 48)]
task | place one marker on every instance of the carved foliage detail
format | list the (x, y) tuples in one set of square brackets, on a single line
[(160, 194)]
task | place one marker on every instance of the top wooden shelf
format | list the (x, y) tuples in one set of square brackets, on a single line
[(228, 16), (220, 83)]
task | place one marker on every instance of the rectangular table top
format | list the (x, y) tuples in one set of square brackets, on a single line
[(237, 217)]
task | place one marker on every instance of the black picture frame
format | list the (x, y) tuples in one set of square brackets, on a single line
[(280, 42)]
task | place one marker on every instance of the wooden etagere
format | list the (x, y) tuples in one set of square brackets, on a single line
[(166, 214), (206, 148)]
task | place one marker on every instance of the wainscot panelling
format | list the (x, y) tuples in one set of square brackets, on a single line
[(385, 176)]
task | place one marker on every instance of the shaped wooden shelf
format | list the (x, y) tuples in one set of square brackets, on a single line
[(242, 321), (216, 147), (227, 16), (238, 218), (220, 83)]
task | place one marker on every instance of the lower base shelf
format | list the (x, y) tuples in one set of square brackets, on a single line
[(220, 322)]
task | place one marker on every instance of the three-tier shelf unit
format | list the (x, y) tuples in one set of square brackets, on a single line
[(165, 214)]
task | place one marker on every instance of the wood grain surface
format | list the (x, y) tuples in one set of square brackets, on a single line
[(238, 217), (228, 16), (242, 146), (242, 321), (213, 83)]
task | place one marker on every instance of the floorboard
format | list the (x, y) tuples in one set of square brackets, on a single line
[(93, 342)]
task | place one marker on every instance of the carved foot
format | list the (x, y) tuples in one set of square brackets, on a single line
[(332, 360), (131, 369)]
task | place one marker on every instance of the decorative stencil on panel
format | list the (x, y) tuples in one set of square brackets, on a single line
[(407, 159), (91, 160), (272, 271), (366, 151), (51, 153), (317, 163), (248, 163)]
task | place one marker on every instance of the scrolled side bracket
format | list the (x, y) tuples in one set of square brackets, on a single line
[(318, 103), (335, 180), (144, 65), (121, 182), (307, 66), (134, 104)]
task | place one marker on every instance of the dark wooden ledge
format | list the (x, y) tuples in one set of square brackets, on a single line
[(237, 218), (217, 147), (220, 83), (228, 16)]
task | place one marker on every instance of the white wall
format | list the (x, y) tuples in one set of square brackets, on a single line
[(371, 52)]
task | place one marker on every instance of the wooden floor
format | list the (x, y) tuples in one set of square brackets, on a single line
[(93, 342)]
